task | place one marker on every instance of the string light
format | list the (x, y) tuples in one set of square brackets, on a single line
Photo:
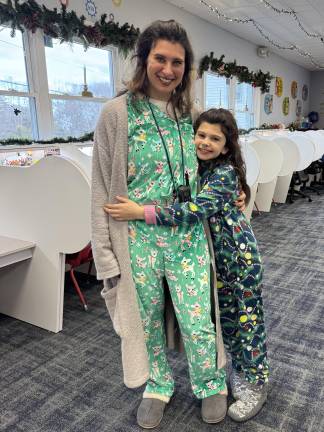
[(293, 13), (291, 47)]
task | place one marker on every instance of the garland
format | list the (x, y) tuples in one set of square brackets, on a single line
[(228, 70), (67, 25), (264, 126), (20, 141)]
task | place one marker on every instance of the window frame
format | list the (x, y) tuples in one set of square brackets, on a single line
[(205, 88), (31, 93), (35, 63), (256, 103)]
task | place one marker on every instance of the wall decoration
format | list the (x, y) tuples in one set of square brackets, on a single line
[(117, 2), (279, 86), (294, 88), (268, 103), (64, 25), (298, 108), (305, 92), (91, 8), (285, 105), (228, 70)]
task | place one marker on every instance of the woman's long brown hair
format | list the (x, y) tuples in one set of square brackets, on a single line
[(228, 125)]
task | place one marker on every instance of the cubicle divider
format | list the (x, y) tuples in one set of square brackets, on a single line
[(48, 204), (253, 165), (290, 162), (271, 160)]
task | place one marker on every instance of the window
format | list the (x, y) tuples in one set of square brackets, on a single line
[(43, 85), (244, 105), (216, 91), (17, 104), (240, 98), (70, 71)]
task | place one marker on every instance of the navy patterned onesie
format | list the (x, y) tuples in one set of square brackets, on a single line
[(239, 268)]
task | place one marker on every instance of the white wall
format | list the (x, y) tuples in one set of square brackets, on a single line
[(206, 37), (317, 96)]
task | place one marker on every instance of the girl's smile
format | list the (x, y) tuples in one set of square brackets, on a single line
[(210, 141)]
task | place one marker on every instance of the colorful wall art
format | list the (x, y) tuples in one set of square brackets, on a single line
[(294, 88), (278, 86), (268, 103), (285, 105), (298, 107), (305, 92)]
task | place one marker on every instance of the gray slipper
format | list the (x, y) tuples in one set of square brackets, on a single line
[(150, 413), (213, 408)]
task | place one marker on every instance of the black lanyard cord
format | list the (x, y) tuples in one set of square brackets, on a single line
[(184, 175), (181, 144)]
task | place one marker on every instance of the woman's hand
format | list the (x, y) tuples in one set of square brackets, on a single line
[(126, 210), (240, 202)]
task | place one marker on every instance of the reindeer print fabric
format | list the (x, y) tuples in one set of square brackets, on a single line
[(180, 255)]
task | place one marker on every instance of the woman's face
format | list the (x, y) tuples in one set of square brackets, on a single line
[(165, 68)]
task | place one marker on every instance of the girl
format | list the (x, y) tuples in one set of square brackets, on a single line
[(239, 269)]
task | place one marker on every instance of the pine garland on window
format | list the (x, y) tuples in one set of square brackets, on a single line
[(242, 73), (22, 141), (65, 26)]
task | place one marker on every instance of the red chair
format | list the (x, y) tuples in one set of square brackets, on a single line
[(75, 260)]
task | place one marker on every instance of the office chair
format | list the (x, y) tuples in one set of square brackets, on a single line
[(296, 181)]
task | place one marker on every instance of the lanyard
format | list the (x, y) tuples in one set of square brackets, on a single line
[(166, 150)]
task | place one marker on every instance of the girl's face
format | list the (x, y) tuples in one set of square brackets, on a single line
[(210, 141), (165, 68)]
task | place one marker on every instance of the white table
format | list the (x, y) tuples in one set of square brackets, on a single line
[(14, 250)]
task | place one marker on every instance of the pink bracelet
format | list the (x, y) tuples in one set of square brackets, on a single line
[(149, 214)]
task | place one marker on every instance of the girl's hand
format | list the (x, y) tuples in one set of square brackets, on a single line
[(240, 202), (126, 210)]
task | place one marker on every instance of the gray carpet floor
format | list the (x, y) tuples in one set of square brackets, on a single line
[(72, 381)]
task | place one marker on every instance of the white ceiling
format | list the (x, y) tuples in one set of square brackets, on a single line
[(282, 29)]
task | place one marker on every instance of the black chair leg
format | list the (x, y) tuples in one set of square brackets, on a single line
[(298, 192)]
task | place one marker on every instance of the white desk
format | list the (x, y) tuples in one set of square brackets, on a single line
[(14, 250)]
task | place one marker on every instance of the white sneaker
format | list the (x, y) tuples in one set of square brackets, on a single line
[(250, 400)]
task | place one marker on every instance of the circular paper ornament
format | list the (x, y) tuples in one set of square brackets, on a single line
[(294, 87), (91, 8), (279, 86), (285, 105), (268, 103), (305, 92), (298, 107)]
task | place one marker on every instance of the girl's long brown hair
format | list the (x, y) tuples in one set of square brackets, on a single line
[(173, 32), (228, 125)]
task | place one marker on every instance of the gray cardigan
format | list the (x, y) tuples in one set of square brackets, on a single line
[(110, 246)]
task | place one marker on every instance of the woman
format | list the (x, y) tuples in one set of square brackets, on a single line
[(143, 148)]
